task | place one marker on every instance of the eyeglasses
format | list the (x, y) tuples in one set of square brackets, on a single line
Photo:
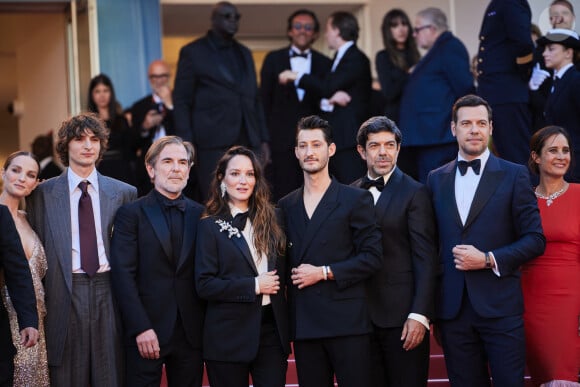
[(305, 27), (158, 76), (230, 16), (416, 30)]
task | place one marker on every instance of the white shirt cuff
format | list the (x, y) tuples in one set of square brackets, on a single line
[(257, 287), (419, 317), (495, 267)]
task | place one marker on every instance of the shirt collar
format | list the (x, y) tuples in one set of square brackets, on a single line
[(235, 210), (385, 177), (483, 157), (342, 49), (560, 73), (74, 180), (296, 49)]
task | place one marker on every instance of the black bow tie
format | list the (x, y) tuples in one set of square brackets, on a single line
[(294, 54), (239, 220), (378, 183), (178, 203), (474, 164)]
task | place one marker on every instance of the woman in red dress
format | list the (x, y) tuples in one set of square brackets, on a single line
[(551, 282)]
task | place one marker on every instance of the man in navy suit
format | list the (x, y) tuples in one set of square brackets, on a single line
[(152, 265), (216, 95), (439, 78), (503, 66), (489, 225), (334, 246), (401, 293), (285, 104), (346, 92)]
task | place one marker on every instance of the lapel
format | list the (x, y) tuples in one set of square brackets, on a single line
[(448, 201), (59, 218), (226, 77), (190, 219), (108, 203), (154, 214), (327, 204), (490, 178), (389, 190), (242, 245)]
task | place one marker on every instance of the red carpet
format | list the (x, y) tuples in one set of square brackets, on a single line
[(437, 371)]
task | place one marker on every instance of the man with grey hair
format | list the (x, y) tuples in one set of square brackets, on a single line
[(439, 78)]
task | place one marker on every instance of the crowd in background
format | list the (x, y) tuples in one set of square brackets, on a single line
[(441, 127)]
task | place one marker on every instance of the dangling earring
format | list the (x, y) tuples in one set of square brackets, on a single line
[(223, 189)]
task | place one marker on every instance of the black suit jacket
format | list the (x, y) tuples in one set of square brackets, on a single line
[(16, 273), (563, 106), (50, 170), (352, 75), (211, 105), (342, 233), (406, 281), (282, 107), (138, 112), (151, 290), (225, 277)]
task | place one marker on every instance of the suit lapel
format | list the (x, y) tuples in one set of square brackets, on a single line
[(327, 204), (154, 213), (387, 194), (490, 178), (59, 217), (242, 245), (449, 201), (107, 202)]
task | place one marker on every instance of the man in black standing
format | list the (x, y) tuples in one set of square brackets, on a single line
[(285, 104), (401, 293), (152, 264), (216, 96)]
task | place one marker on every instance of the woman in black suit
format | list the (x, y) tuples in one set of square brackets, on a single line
[(240, 272)]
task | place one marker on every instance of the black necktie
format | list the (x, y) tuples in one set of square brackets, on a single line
[(294, 54), (239, 220), (174, 210), (368, 183), (87, 233), (474, 164)]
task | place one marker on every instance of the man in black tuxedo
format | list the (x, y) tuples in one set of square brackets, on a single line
[(489, 225), (152, 118), (16, 274), (285, 104), (334, 246), (401, 294), (346, 92), (216, 96), (152, 266)]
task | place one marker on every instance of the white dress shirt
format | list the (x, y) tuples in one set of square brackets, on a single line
[(261, 262), (301, 66), (75, 195)]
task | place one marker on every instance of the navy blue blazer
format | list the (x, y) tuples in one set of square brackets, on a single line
[(225, 276), (504, 37), (282, 107), (438, 80), (563, 105), (341, 233), (152, 290), (503, 219)]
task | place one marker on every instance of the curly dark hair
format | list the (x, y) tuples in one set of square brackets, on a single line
[(74, 127)]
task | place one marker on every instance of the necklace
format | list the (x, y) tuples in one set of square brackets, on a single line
[(550, 198)]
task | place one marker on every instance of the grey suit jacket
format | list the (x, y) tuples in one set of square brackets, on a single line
[(49, 214)]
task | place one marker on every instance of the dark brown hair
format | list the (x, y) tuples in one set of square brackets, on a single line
[(268, 236), (75, 127), (399, 57)]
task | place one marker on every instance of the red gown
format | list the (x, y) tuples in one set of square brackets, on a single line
[(551, 287)]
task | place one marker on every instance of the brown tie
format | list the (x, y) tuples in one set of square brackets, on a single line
[(87, 232)]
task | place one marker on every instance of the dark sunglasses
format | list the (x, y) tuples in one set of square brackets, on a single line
[(231, 16)]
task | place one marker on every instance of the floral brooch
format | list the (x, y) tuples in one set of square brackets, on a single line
[(226, 226)]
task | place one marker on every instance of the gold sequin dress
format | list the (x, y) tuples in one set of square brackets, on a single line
[(30, 364)]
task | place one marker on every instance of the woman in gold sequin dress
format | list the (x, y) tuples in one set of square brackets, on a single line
[(20, 177)]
